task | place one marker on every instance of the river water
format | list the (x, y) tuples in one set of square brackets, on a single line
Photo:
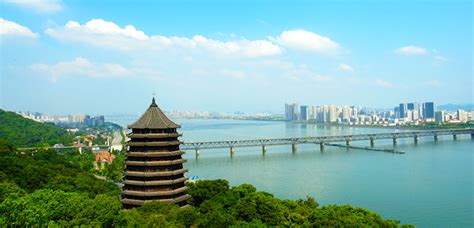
[(429, 186)]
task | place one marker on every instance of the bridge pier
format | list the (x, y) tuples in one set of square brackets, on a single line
[(348, 142), (321, 147), (197, 152), (372, 142), (416, 139), (264, 149), (472, 135), (394, 141), (455, 137), (436, 138), (232, 152), (293, 148)]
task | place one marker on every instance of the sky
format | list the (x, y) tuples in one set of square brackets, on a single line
[(110, 57)]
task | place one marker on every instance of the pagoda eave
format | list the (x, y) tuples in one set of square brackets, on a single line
[(156, 163), (155, 154), (157, 193), (155, 183), (168, 143), (153, 135), (155, 174), (141, 202)]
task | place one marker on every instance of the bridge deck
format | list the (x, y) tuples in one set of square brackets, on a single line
[(320, 139), (306, 140)]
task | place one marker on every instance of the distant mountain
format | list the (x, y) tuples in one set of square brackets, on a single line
[(23, 132), (454, 107)]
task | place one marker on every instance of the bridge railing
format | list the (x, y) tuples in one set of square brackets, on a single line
[(319, 139)]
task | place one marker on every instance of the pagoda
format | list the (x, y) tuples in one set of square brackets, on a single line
[(154, 166)]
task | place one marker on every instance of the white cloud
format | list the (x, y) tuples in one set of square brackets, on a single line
[(321, 78), (440, 58), (234, 74), (433, 83), (41, 6), (80, 67), (383, 83), (307, 41), (345, 67), (411, 50), (102, 33), (10, 28)]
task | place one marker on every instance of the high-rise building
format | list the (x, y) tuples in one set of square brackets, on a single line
[(462, 115), (439, 117), (304, 113), (411, 106), (346, 113), (402, 109), (419, 108), (313, 112), (332, 114), (429, 110), (154, 166), (292, 111)]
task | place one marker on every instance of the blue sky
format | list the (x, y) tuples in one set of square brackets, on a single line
[(105, 57)]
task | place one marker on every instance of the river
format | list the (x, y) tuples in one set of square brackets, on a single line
[(429, 186)]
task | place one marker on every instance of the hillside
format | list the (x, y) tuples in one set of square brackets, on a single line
[(24, 132)]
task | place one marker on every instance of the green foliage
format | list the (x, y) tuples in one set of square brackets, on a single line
[(48, 206), (49, 189), (26, 133), (47, 169)]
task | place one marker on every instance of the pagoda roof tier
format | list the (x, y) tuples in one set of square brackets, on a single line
[(141, 202), (155, 174), (155, 153), (153, 135), (166, 143), (155, 183), (154, 118), (158, 193), (156, 163)]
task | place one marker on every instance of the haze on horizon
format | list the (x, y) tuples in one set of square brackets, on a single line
[(109, 57)]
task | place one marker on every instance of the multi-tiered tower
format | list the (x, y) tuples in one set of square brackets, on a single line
[(154, 166)]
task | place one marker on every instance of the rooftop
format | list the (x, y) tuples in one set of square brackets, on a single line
[(153, 118)]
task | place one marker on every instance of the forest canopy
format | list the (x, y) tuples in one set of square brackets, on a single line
[(47, 188)]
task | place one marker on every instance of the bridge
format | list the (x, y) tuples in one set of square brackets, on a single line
[(294, 141), (322, 140)]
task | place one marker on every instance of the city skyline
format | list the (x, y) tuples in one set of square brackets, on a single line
[(251, 57)]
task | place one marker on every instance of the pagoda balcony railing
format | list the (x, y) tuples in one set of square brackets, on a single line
[(157, 193), (154, 135), (155, 174), (156, 163), (155, 153), (169, 143), (155, 183), (141, 202)]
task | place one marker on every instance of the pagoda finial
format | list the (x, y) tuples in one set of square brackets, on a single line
[(153, 103)]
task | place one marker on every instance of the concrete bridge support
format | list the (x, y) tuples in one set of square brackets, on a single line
[(197, 152), (348, 142), (455, 137), (372, 142), (264, 149), (472, 135), (293, 148), (321, 147), (232, 152), (436, 138), (415, 139), (394, 141)]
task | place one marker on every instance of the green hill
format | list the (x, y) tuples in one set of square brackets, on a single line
[(24, 132)]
